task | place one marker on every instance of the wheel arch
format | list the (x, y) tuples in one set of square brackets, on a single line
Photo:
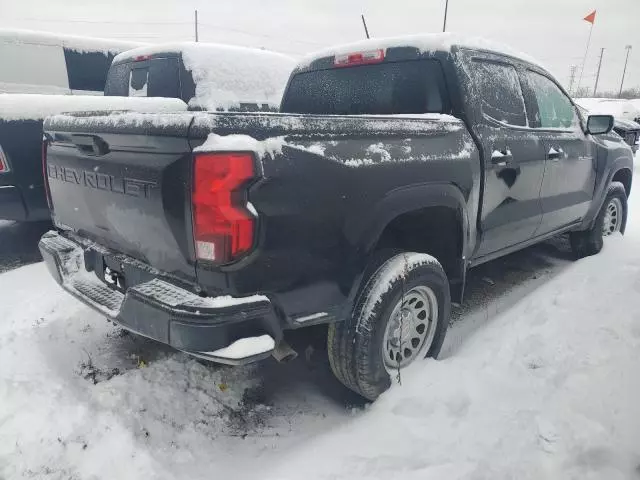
[(624, 175), (388, 225)]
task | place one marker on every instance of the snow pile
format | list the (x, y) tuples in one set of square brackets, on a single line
[(241, 143), (37, 107), (72, 42), (548, 389), (226, 75), (245, 347), (425, 43)]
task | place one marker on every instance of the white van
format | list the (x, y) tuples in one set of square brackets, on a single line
[(38, 62)]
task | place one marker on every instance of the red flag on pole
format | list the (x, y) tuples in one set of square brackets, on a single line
[(591, 18)]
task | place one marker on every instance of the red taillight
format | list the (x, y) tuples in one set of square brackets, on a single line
[(223, 228), (4, 163), (142, 58), (359, 58), (44, 171)]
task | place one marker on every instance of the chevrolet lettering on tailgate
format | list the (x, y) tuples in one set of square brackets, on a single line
[(101, 181)]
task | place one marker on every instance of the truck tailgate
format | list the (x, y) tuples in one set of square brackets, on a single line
[(125, 185)]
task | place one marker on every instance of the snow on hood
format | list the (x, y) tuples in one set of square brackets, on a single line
[(72, 42), (431, 42), (37, 107), (620, 109), (227, 75)]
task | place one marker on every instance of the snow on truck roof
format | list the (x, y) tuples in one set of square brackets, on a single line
[(72, 42), (427, 42), (226, 75)]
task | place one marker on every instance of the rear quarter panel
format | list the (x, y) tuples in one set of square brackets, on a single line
[(328, 191)]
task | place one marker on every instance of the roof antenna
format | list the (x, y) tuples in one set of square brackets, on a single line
[(366, 30)]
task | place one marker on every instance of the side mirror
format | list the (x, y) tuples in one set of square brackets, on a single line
[(599, 124)]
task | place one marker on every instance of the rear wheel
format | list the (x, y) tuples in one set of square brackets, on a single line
[(401, 315), (611, 219)]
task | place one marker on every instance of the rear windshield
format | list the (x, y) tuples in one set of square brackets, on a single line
[(408, 87), (158, 77)]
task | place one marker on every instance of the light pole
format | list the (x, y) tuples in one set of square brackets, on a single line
[(595, 88), (628, 47), (446, 8)]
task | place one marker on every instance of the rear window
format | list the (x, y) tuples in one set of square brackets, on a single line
[(158, 77), (498, 87), (87, 70), (408, 87)]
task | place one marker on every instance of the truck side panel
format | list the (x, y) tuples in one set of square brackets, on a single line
[(326, 197)]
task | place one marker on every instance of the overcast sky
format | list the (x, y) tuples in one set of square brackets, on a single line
[(550, 30)]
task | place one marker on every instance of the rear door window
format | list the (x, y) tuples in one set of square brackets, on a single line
[(409, 87), (87, 70), (498, 87)]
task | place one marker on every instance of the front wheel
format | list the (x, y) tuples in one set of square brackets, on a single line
[(611, 219), (401, 315)]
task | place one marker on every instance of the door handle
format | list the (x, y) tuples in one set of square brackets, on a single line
[(555, 153), (502, 157), (90, 144)]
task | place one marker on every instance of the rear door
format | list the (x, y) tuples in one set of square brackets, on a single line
[(513, 158), (570, 170)]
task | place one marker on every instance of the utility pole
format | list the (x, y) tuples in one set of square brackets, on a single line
[(572, 78), (196, 25), (628, 47), (595, 88), (446, 9), (364, 23)]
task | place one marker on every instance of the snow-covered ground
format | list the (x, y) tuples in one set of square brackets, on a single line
[(539, 378)]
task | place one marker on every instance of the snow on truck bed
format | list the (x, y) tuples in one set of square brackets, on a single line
[(227, 75), (37, 107)]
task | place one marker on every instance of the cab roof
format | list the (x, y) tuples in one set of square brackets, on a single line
[(424, 43)]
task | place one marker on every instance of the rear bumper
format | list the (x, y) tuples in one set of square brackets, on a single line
[(157, 309)]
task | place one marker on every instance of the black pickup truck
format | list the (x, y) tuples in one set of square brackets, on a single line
[(396, 166)]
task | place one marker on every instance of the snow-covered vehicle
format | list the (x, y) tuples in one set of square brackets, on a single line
[(626, 117), (22, 191), (396, 165), (57, 64), (206, 76), (52, 67)]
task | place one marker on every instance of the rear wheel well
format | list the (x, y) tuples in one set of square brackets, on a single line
[(624, 177), (436, 231)]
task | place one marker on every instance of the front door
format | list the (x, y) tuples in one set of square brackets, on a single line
[(569, 173), (513, 159)]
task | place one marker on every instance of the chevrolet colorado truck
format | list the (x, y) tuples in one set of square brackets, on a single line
[(394, 166)]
